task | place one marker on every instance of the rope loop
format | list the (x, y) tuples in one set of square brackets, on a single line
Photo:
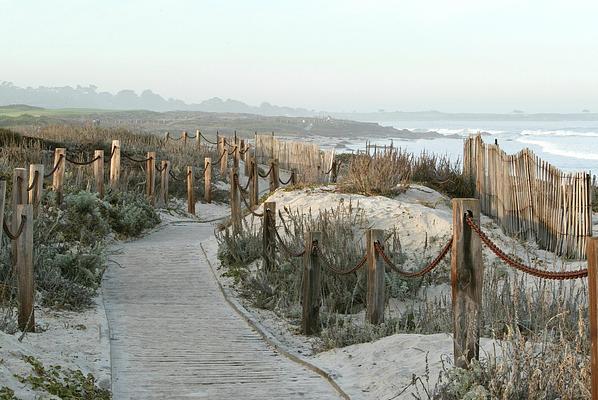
[(409, 274), (15, 236), (316, 250), (128, 157), (83, 162), (34, 182)]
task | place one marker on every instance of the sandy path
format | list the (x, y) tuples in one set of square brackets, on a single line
[(174, 336)]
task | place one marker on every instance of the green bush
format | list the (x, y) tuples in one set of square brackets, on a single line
[(129, 214)]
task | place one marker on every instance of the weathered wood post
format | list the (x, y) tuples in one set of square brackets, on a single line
[(164, 175), (334, 172), (375, 286), (58, 177), (254, 188), (235, 201), (24, 268), (19, 194), (592, 254), (223, 154), (184, 136), (36, 185), (166, 137), (236, 156), (293, 177), (150, 177), (198, 139), (310, 322), (2, 202), (190, 191), (207, 175), (115, 165), (467, 271), (98, 172), (274, 175), (269, 235), (243, 150), (247, 161)]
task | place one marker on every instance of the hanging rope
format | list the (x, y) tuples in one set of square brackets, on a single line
[(409, 274), (518, 265), (128, 157), (287, 249), (160, 169), (60, 160), (335, 270), (34, 181), (206, 139), (268, 173), (15, 236), (83, 162), (288, 181)]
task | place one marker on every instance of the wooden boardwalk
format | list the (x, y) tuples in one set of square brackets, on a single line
[(174, 336)]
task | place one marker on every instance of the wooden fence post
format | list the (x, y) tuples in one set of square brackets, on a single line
[(274, 175), (243, 150), (185, 138), (2, 201), (164, 175), (207, 174), (19, 193), (310, 322), (58, 177), (24, 265), (36, 182), (235, 201), (467, 272), (375, 285), (190, 191), (334, 172), (198, 139), (254, 190), (115, 165), (223, 154), (236, 156), (592, 254), (150, 177), (269, 235), (98, 172), (293, 177)]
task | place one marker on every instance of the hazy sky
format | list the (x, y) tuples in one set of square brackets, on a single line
[(338, 55)]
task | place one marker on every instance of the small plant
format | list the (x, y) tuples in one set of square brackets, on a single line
[(63, 383)]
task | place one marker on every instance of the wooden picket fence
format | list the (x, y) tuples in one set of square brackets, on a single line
[(530, 198), (309, 162)]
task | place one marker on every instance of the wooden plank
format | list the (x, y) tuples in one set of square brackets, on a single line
[(310, 322), (375, 284), (467, 272)]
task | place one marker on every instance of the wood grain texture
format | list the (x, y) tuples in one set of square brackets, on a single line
[(310, 322), (592, 250), (174, 336)]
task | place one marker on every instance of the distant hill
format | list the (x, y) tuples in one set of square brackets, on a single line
[(89, 97)]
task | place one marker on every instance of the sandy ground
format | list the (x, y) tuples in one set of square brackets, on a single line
[(384, 369)]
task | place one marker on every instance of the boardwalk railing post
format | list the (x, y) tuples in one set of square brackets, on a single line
[(375, 286), (36, 183), (223, 154), (236, 156), (19, 194), (311, 285), (334, 172), (2, 201), (115, 165), (467, 271), (164, 175), (235, 201), (190, 191), (58, 177), (98, 172), (592, 253), (242, 151), (207, 180), (24, 264), (255, 183), (150, 177), (185, 138), (269, 235), (273, 175), (198, 139)]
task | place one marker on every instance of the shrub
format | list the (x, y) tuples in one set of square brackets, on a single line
[(129, 213)]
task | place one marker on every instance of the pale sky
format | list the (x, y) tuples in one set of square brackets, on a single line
[(337, 55)]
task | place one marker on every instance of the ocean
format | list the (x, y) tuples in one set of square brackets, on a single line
[(569, 145)]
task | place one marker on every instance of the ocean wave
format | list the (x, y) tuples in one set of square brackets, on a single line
[(560, 132), (463, 131), (558, 150)]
